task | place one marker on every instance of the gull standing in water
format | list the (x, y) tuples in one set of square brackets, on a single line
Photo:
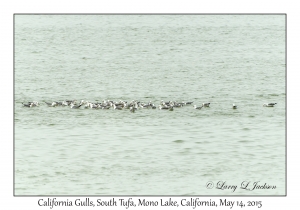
[(234, 106)]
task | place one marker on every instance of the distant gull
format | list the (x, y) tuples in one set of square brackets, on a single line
[(153, 106), (199, 107), (269, 104), (133, 109), (145, 106), (73, 106), (31, 104), (188, 103), (27, 105), (234, 106), (53, 104), (105, 107), (177, 105), (205, 104), (163, 107), (117, 107)]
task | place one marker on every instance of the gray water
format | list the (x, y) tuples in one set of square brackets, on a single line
[(221, 59)]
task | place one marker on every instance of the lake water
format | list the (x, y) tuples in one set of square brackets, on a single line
[(221, 59)]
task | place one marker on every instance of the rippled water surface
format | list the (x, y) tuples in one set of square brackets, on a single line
[(221, 59)]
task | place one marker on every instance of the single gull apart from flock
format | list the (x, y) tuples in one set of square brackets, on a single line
[(269, 104), (234, 106), (205, 104)]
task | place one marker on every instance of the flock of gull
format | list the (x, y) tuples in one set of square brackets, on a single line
[(120, 105)]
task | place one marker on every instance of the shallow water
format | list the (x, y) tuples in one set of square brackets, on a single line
[(221, 59)]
